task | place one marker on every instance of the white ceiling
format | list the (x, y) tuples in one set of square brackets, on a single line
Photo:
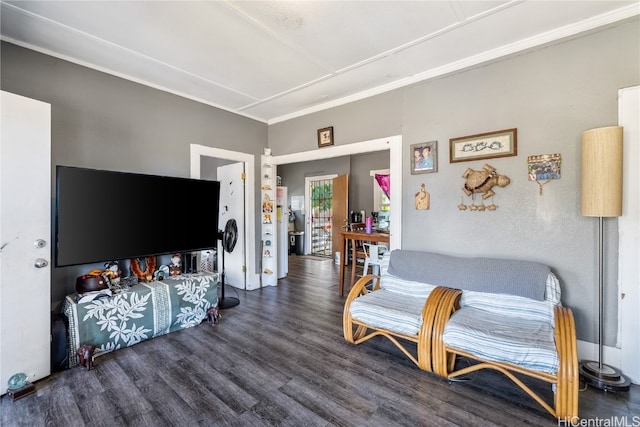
[(275, 60)]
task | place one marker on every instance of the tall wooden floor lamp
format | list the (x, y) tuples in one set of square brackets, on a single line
[(602, 198)]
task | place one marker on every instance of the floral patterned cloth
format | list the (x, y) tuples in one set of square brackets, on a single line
[(143, 312)]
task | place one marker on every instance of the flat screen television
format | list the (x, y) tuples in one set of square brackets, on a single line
[(103, 215)]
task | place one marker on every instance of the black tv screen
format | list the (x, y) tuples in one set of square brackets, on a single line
[(105, 215)]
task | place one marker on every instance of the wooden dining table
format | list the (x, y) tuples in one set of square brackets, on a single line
[(345, 236)]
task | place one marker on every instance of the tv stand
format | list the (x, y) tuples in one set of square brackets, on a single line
[(154, 308)]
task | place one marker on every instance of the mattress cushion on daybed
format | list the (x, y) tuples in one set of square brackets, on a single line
[(389, 310), (402, 286), (492, 275), (501, 338), (517, 306)]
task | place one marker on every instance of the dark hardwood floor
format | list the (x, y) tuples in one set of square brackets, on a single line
[(279, 358)]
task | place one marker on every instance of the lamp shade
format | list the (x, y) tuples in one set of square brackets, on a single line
[(602, 172)]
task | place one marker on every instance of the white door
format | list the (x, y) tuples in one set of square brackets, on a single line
[(231, 179), (25, 230), (629, 236), (282, 232)]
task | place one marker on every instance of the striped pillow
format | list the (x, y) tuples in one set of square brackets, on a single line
[(519, 307), (501, 338), (389, 310)]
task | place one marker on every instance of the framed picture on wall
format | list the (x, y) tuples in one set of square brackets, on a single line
[(502, 143), (325, 137), (424, 157)]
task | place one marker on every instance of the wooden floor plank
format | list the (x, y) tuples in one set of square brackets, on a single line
[(279, 358)]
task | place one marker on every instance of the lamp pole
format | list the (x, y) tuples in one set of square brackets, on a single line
[(602, 197)]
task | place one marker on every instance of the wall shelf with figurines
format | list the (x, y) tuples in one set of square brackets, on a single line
[(267, 219)]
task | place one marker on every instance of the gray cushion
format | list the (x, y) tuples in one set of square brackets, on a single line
[(522, 278)]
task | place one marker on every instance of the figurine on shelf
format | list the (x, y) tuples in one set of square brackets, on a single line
[(175, 268), (267, 204), (213, 315), (150, 268), (161, 273), (85, 355), (112, 272)]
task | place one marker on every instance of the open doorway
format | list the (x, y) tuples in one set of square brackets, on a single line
[(250, 279), (318, 197), (393, 144)]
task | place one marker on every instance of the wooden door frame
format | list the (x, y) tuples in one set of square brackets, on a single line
[(339, 210), (392, 143)]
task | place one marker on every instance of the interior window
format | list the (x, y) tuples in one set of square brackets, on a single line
[(380, 200)]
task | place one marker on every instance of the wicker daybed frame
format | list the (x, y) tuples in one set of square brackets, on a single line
[(441, 301), (566, 379), (433, 355)]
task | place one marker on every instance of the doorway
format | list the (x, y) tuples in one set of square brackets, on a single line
[(198, 152), (318, 198), (393, 144)]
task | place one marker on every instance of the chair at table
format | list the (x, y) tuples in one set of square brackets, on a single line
[(373, 256), (357, 249)]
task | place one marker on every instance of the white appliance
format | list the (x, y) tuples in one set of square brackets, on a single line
[(282, 228), (383, 220)]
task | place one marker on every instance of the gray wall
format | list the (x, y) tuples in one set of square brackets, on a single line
[(294, 174), (105, 122), (209, 167), (551, 95)]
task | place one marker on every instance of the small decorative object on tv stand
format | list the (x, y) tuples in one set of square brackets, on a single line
[(18, 386)]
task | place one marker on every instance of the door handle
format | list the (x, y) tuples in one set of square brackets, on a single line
[(41, 263)]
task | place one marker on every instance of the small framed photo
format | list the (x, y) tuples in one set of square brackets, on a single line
[(325, 137), (544, 166), (502, 143), (424, 157)]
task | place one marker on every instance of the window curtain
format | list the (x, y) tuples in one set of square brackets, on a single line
[(383, 182)]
